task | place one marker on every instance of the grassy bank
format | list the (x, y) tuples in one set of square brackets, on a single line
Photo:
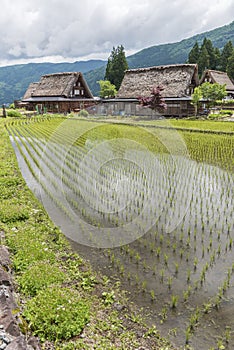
[(61, 299)]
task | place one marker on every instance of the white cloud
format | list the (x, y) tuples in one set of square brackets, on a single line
[(57, 29)]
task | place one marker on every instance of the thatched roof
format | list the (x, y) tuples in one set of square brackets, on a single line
[(32, 87), (60, 84), (215, 76), (175, 79)]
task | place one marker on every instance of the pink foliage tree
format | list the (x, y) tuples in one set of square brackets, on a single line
[(155, 101)]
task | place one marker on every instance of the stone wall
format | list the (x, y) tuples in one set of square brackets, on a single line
[(11, 337)]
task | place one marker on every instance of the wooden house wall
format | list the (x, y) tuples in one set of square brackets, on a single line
[(59, 106), (178, 108), (174, 108)]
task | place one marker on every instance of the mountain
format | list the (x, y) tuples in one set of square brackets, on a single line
[(178, 52), (15, 79)]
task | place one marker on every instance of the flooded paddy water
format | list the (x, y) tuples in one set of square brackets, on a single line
[(161, 223)]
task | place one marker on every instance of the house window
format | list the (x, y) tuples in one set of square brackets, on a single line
[(77, 92)]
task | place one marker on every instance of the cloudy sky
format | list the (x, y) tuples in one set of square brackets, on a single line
[(73, 30)]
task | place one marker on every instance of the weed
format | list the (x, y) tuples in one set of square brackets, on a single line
[(108, 297), (57, 313), (38, 276)]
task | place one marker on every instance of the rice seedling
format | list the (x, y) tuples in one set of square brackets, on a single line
[(152, 294), (169, 282), (162, 274), (163, 314), (176, 267), (174, 301)]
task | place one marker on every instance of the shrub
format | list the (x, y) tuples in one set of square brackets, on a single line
[(83, 113), (56, 313), (218, 115), (214, 116), (225, 102), (13, 113), (71, 115), (226, 112)]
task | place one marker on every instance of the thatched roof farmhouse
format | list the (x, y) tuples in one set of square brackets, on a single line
[(59, 92), (214, 76), (178, 81)]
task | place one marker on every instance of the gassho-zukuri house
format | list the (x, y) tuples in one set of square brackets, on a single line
[(178, 81), (59, 93), (214, 76)]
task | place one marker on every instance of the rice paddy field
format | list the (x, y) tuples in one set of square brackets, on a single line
[(149, 204)]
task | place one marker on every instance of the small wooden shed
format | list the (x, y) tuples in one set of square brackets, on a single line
[(59, 93)]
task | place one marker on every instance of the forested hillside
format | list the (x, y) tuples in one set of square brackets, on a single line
[(178, 52)]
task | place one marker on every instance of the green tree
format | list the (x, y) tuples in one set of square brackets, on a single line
[(217, 58), (196, 98), (194, 53), (213, 92), (203, 61), (207, 56), (116, 66), (226, 53), (211, 53), (107, 89), (230, 66)]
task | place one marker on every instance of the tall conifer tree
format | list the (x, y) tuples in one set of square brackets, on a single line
[(194, 54), (203, 61), (209, 57), (226, 53), (230, 66), (211, 52), (116, 66)]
